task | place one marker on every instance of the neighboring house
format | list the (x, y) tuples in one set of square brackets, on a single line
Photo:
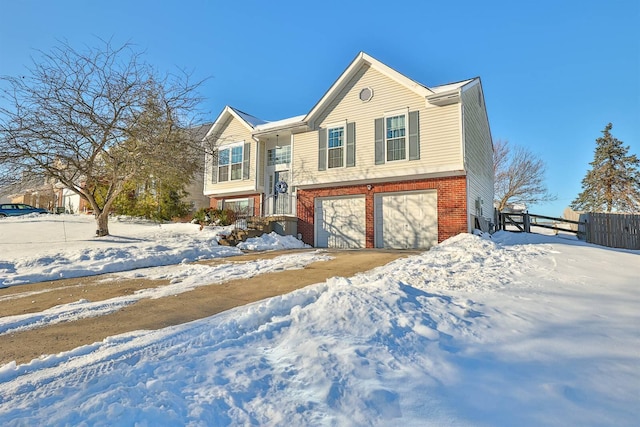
[(72, 203), (44, 193), (380, 161), (195, 189), (32, 190)]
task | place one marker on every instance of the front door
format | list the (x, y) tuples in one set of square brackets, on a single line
[(281, 193)]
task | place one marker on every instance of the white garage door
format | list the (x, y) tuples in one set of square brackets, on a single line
[(406, 220), (340, 222)]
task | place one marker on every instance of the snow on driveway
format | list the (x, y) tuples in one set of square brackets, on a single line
[(514, 330)]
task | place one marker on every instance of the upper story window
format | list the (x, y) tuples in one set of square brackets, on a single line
[(279, 155), (236, 162), (395, 141), (335, 147), (223, 165), (232, 163), (397, 136)]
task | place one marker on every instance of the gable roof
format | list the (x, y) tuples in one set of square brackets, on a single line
[(249, 121), (360, 60), (451, 86), (437, 95), (248, 118)]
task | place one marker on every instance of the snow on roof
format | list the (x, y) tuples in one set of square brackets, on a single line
[(280, 123), (450, 86)]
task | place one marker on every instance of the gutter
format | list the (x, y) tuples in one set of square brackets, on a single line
[(444, 98)]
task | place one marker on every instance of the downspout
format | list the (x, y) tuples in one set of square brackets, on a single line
[(294, 194), (256, 179), (463, 139)]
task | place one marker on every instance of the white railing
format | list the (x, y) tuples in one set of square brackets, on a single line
[(281, 204)]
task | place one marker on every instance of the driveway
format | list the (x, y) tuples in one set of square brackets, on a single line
[(150, 314)]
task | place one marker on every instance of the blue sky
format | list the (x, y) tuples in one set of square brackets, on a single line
[(554, 72)]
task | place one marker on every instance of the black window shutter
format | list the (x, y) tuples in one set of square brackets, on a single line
[(379, 141), (322, 149), (414, 135), (246, 164), (351, 144)]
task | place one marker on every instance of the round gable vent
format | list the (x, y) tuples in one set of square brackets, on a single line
[(366, 94)]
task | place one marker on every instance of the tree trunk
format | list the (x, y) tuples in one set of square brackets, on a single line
[(102, 222)]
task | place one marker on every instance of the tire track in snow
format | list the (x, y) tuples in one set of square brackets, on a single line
[(183, 278)]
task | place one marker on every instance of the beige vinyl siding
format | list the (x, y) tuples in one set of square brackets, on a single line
[(261, 161), (440, 139), (478, 152), (304, 157), (440, 136), (231, 132)]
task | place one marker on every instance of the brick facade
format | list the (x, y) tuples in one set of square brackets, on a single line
[(452, 205), (257, 202)]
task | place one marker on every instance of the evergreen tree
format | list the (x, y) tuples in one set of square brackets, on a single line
[(613, 182)]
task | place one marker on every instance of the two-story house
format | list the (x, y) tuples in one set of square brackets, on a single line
[(380, 161)]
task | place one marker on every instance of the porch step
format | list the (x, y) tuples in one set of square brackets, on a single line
[(260, 223), (269, 223), (239, 235)]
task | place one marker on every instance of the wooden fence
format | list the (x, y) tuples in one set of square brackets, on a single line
[(522, 222), (612, 229), (606, 229)]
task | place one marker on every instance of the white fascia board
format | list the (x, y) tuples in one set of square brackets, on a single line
[(335, 87), (290, 124), (444, 98), (222, 117), (361, 59), (470, 83), (398, 77)]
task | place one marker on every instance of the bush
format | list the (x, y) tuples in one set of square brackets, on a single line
[(213, 216), (158, 202)]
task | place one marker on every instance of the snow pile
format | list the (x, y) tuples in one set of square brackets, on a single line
[(270, 242), (37, 248), (520, 330), (65, 248)]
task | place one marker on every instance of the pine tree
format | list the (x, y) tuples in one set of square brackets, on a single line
[(613, 182)]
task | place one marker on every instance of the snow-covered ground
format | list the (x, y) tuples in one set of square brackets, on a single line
[(37, 248), (516, 329)]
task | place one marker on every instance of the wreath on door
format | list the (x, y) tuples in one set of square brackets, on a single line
[(281, 187)]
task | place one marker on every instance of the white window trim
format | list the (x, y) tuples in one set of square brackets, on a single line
[(227, 201), (343, 125), (275, 149), (402, 112), (230, 147)]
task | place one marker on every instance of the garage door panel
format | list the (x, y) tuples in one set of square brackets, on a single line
[(340, 222), (406, 220)]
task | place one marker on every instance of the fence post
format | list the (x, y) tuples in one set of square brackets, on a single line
[(527, 222)]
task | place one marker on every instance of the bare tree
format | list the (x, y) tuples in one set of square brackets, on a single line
[(519, 176), (95, 119)]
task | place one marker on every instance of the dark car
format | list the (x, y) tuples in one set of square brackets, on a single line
[(15, 209)]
